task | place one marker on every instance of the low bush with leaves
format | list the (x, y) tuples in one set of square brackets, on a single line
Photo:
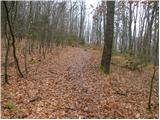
[(115, 52), (101, 67), (135, 63), (9, 105)]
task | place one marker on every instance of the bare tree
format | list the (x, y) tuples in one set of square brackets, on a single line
[(130, 25), (155, 59), (108, 40), (6, 55), (13, 40), (153, 76)]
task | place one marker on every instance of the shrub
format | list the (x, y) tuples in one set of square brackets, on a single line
[(135, 63), (101, 67), (9, 105), (115, 52)]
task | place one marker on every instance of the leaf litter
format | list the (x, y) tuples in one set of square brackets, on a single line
[(69, 84)]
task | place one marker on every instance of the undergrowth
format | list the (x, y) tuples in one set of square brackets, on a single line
[(9, 105)]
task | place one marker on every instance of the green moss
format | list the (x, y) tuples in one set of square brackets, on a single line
[(9, 105), (101, 67)]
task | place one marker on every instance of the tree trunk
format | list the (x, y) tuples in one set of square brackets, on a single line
[(108, 40), (130, 25), (6, 55), (154, 72), (150, 31), (25, 59), (13, 41)]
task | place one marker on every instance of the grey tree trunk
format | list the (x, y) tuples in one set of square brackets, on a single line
[(108, 40), (130, 24)]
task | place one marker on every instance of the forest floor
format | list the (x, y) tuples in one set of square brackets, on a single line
[(68, 83)]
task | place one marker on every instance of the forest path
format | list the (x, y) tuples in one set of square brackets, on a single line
[(65, 80), (69, 84)]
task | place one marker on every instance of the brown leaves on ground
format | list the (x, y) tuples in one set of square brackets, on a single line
[(69, 84)]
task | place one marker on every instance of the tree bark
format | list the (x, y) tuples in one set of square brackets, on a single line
[(13, 41), (108, 40), (6, 55), (130, 25), (154, 72)]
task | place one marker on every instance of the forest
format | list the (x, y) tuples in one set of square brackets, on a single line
[(81, 59)]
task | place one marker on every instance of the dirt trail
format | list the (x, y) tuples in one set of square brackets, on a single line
[(70, 85)]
